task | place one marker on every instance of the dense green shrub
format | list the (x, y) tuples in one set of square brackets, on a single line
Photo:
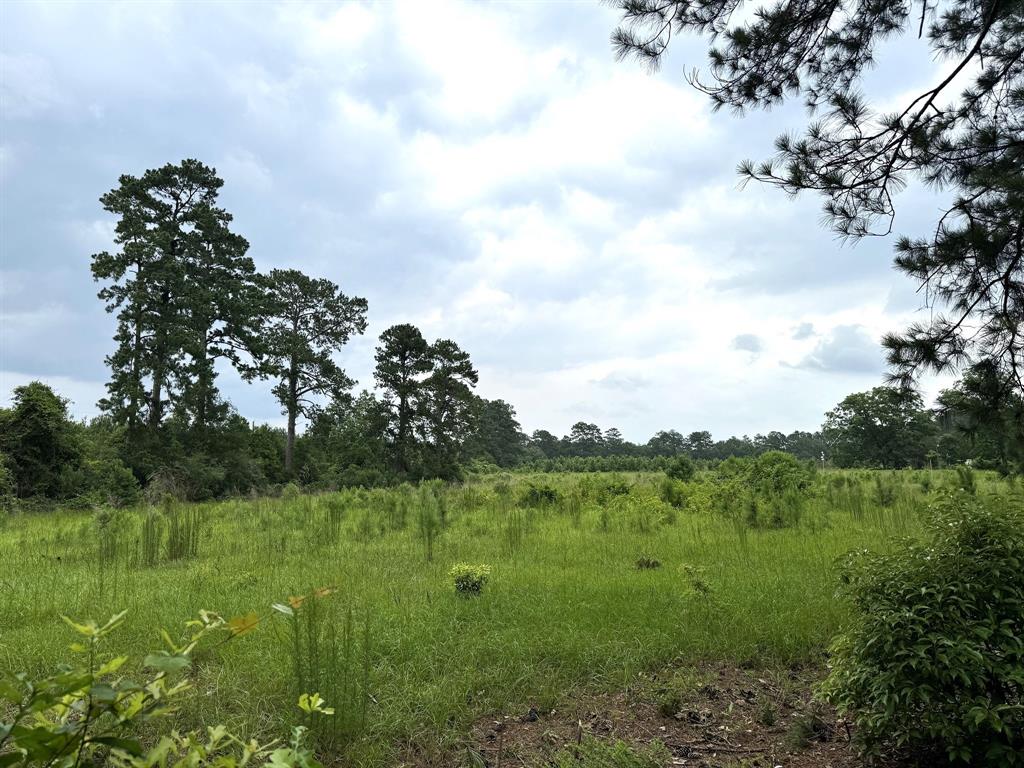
[(681, 468), (933, 665), (672, 492), (539, 496), (776, 472)]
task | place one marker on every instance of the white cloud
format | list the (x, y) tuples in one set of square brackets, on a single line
[(486, 171)]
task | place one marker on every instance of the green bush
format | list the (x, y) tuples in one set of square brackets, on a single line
[(681, 468), (539, 496), (933, 665), (777, 472), (469, 579)]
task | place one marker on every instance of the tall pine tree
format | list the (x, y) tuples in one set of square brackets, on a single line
[(307, 321)]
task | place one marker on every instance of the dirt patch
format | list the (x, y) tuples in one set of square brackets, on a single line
[(707, 716)]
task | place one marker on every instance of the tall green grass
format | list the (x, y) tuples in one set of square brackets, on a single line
[(405, 661)]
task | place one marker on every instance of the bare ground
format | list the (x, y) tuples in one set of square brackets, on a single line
[(710, 716)]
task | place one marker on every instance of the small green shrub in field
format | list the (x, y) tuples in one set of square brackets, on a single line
[(933, 665), (594, 753), (291, 491), (681, 468), (672, 492), (469, 579), (539, 496)]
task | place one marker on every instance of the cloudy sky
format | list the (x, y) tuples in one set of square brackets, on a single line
[(487, 172)]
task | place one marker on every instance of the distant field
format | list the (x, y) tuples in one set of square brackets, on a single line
[(409, 663)]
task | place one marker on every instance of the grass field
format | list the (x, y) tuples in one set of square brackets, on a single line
[(409, 663)]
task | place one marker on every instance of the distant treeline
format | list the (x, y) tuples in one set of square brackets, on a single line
[(188, 300)]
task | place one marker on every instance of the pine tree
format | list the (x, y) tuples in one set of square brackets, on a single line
[(403, 361), (971, 265), (307, 321), (178, 271), (447, 405)]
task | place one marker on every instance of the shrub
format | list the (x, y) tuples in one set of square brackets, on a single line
[(469, 579), (539, 496), (776, 472), (933, 665), (681, 468), (672, 492)]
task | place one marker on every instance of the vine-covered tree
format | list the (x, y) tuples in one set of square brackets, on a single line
[(39, 439), (403, 360), (972, 143), (307, 321)]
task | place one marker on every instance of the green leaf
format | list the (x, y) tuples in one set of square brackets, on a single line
[(165, 662), (130, 746)]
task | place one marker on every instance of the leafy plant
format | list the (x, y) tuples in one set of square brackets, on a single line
[(86, 714), (934, 662), (469, 579), (682, 468)]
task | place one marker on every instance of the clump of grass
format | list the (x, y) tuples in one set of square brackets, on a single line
[(183, 528), (152, 537), (807, 728), (594, 753), (766, 714)]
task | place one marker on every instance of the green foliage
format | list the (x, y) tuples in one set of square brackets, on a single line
[(539, 496), (594, 753), (329, 653), (89, 713), (469, 579), (857, 157), (934, 663), (39, 440), (681, 468), (885, 427), (307, 321)]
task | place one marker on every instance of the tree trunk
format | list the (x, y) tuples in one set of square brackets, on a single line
[(293, 407)]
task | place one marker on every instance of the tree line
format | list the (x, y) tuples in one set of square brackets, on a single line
[(187, 297)]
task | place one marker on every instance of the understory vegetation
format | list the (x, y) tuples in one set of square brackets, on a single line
[(575, 582)]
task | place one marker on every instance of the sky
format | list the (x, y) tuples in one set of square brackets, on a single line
[(487, 172)]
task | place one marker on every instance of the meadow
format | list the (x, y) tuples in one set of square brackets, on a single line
[(594, 579)]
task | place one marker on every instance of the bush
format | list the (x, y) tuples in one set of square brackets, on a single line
[(777, 472), (469, 579), (539, 496), (933, 665), (681, 468)]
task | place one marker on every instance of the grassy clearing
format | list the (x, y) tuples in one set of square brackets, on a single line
[(593, 579)]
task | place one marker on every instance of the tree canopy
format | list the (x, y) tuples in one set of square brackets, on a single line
[(970, 143)]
